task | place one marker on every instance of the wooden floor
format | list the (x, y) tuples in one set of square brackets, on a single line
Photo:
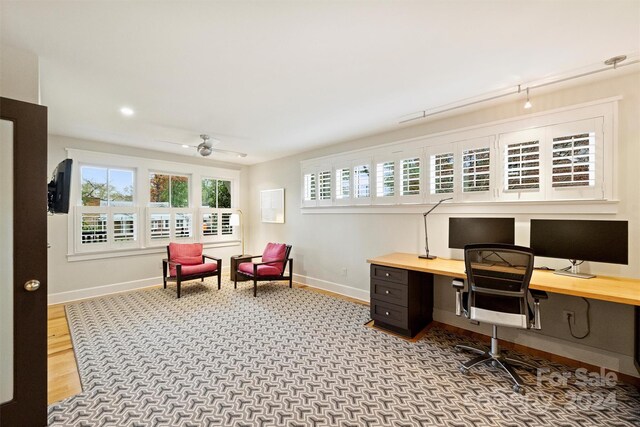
[(64, 381)]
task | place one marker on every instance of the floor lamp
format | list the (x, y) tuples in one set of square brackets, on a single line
[(235, 220), (426, 235)]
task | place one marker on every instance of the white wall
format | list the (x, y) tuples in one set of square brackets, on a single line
[(325, 246), (19, 75), (70, 280)]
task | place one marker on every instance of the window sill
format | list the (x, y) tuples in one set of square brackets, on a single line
[(88, 256), (593, 207)]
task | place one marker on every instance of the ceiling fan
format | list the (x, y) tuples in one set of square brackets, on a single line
[(205, 148)]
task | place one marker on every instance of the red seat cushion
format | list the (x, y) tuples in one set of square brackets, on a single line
[(275, 252), (263, 270), (188, 270)]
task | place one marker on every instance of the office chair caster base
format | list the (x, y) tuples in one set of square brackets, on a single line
[(463, 370), (469, 349), (518, 389), (521, 363)]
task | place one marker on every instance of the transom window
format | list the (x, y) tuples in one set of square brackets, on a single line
[(385, 179), (476, 168), (522, 166), (410, 176), (343, 183), (567, 154), (361, 181), (573, 158), (442, 173), (324, 185)]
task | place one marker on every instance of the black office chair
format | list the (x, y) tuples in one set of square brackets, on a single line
[(498, 278)]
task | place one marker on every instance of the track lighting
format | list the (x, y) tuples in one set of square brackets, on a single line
[(610, 64)]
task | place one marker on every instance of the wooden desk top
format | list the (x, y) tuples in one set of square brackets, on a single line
[(615, 289)]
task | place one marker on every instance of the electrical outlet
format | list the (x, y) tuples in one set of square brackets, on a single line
[(570, 314)]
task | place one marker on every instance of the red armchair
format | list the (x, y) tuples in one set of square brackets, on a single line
[(186, 262), (274, 261)]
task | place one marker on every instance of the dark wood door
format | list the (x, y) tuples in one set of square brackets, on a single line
[(27, 124)]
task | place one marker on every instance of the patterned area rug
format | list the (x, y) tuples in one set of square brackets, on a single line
[(292, 357)]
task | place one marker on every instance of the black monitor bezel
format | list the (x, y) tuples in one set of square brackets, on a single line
[(472, 220), (607, 249)]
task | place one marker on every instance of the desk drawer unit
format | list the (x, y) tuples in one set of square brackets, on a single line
[(401, 300)]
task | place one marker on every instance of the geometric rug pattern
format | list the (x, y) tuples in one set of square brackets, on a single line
[(292, 357)]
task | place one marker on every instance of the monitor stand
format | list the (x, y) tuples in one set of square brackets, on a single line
[(574, 271)]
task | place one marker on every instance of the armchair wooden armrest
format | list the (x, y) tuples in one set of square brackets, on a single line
[(210, 257)]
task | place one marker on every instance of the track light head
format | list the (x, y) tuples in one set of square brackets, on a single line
[(527, 104)]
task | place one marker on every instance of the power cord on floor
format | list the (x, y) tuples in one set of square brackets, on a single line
[(588, 322)]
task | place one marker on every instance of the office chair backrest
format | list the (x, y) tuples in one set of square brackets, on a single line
[(498, 277)]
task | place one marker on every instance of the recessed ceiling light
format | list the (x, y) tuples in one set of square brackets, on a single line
[(126, 111), (185, 146)]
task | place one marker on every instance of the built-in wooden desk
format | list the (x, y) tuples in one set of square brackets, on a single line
[(615, 289)]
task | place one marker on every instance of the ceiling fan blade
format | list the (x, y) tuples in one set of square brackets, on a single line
[(229, 152)]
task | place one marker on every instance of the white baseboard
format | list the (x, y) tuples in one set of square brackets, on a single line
[(337, 288), (598, 357), (99, 291)]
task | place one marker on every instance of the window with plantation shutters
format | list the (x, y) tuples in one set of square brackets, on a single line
[(442, 173), (573, 160), (410, 182), (563, 155), (124, 204), (225, 224), (361, 182), (309, 186), (210, 224), (94, 228), (183, 225), (159, 226), (343, 183), (124, 227), (216, 203), (522, 166), (476, 170), (385, 179), (324, 185)]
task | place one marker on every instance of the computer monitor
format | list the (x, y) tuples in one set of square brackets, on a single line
[(581, 240), (466, 231)]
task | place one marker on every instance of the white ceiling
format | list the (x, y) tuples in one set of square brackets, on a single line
[(272, 78)]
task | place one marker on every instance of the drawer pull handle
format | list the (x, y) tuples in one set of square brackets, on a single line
[(387, 292), (387, 274), (386, 313)]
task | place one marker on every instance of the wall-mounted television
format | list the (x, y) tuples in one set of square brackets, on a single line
[(59, 188), (466, 231)]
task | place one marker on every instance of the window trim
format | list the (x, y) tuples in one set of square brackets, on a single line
[(606, 150), (142, 167)]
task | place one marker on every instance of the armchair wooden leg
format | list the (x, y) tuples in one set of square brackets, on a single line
[(164, 274), (255, 287), (178, 288), (235, 283), (219, 278), (290, 273)]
